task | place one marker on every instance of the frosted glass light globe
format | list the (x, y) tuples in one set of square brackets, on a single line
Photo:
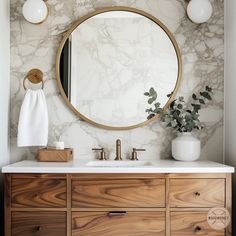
[(199, 11), (35, 11)]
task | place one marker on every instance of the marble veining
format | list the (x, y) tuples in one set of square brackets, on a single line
[(202, 49), (115, 58)]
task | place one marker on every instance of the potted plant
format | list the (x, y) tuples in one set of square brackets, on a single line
[(183, 119)]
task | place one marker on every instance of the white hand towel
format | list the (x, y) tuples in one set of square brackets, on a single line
[(33, 121)]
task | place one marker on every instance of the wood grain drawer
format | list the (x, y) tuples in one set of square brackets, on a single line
[(197, 192), (118, 193), (130, 224), (38, 223), (40, 192), (191, 224)]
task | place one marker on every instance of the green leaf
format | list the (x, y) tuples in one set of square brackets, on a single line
[(172, 104), (180, 106), (202, 101), (196, 107), (194, 96), (150, 116), (151, 100), (194, 115), (146, 94), (157, 105), (158, 110), (206, 95), (187, 118), (209, 89), (178, 112), (149, 110), (152, 92)]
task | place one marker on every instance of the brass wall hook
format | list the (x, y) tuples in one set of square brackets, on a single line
[(35, 76)]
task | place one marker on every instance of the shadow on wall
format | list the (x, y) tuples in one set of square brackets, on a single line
[(234, 206), (1, 206)]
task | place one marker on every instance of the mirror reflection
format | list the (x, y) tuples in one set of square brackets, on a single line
[(110, 60)]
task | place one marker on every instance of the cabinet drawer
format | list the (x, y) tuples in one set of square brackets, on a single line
[(197, 192), (118, 193), (129, 224), (191, 224), (38, 223), (38, 192)]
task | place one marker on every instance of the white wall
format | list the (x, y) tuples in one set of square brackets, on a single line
[(230, 88), (4, 92), (230, 83), (4, 80)]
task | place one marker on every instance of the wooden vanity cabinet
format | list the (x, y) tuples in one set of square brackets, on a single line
[(38, 223), (125, 192), (127, 223), (192, 223), (114, 204), (38, 192), (197, 192)]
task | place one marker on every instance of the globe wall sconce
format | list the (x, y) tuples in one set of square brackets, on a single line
[(199, 11), (35, 11)]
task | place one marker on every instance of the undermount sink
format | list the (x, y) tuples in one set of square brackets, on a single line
[(118, 163)]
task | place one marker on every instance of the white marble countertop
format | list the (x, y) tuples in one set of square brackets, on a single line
[(161, 166)]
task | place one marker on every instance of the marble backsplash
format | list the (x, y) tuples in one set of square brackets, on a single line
[(202, 49)]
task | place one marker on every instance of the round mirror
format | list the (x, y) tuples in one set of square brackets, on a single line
[(107, 61)]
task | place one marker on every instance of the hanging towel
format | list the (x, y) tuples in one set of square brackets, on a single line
[(33, 121)]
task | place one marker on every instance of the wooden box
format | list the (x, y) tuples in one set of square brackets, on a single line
[(55, 155)]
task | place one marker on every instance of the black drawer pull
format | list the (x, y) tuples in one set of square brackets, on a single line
[(117, 213), (39, 228)]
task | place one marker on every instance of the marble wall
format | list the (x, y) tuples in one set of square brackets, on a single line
[(203, 64)]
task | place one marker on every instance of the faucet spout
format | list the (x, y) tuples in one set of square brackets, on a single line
[(118, 150)]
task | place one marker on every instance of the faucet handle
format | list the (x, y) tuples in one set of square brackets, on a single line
[(135, 154), (102, 153)]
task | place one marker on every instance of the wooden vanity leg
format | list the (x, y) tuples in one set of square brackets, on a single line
[(7, 204), (69, 231), (228, 200), (168, 232)]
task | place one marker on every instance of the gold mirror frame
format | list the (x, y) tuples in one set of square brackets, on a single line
[(108, 9)]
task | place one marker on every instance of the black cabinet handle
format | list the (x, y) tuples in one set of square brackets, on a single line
[(117, 213), (39, 228)]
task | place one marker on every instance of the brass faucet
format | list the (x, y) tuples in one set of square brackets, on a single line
[(102, 153), (118, 150)]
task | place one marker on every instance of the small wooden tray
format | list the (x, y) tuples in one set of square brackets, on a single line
[(55, 155)]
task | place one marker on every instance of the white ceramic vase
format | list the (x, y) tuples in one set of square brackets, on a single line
[(186, 147)]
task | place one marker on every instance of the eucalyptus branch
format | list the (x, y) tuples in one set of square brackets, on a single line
[(178, 116)]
